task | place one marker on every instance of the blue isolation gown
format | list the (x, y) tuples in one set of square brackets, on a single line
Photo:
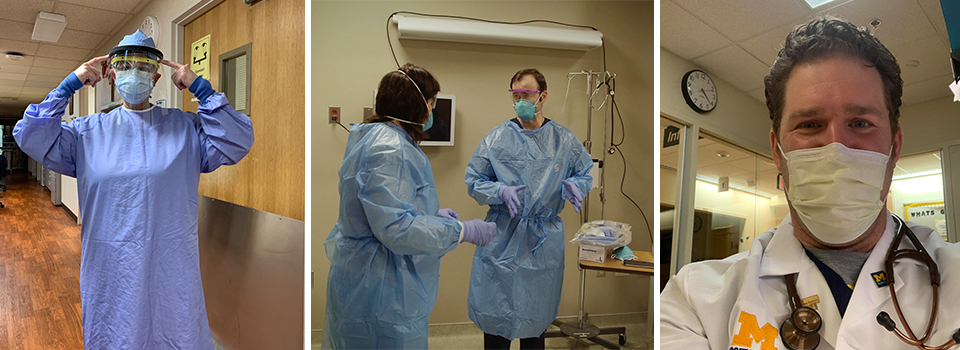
[(137, 176), (386, 247), (516, 280)]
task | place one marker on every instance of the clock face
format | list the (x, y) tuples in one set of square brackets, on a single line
[(699, 91)]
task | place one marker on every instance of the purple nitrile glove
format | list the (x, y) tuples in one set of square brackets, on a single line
[(478, 232), (573, 195), (449, 214), (508, 194)]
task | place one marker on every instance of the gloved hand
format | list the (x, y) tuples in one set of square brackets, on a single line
[(508, 194), (478, 232), (449, 214), (573, 195)]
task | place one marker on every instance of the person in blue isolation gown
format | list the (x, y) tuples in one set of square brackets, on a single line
[(386, 247), (524, 169), (138, 169)]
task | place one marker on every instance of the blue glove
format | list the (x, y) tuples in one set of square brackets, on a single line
[(449, 214), (478, 232), (573, 195), (508, 194)]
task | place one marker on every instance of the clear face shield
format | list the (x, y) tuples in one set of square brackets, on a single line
[(139, 61), (135, 72)]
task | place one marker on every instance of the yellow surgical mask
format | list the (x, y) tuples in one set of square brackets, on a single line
[(835, 190)]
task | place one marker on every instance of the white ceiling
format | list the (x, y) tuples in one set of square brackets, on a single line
[(737, 41), (89, 24)]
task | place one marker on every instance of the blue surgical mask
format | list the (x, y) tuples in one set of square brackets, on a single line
[(429, 123), (526, 110), (134, 85)]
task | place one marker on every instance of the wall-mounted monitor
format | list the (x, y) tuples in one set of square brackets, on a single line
[(444, 120)]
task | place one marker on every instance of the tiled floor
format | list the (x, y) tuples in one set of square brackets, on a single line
[(467, 336)]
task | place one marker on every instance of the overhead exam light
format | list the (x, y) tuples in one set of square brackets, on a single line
[(476, 32), (49, 26)]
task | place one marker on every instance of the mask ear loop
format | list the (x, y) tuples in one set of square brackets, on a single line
[(419, 91)]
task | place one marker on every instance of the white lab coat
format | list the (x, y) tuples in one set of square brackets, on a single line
[(703, 305)]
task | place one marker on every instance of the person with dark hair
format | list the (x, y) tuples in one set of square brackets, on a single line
[(525, 169), (830, 273), (386, 247)]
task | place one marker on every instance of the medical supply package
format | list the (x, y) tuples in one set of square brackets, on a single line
[(603, 233)]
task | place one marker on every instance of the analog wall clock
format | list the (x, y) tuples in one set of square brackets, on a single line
[(699, 91)]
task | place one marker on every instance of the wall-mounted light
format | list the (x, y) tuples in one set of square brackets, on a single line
[(49, 26), (477, 32)]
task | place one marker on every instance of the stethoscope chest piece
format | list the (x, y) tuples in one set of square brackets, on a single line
[(801, 330)]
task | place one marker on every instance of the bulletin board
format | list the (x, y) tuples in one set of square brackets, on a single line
[(930, 214)]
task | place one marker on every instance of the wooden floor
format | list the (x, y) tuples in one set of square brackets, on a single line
[(39, 270)]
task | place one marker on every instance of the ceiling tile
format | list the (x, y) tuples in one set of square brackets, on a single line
[(34, 92), (902, 20), (83, 40), (62, 73), (41, 84), (933, 56), (24, 47), (5, 68), (13, 76), (744, 19), (685, 35), (67, 53), (10, 91), (24, 11), (758, 94), (11, 83), (926, 90), (935, 15), (44, 79), (736, 66), (767, 45), (89, 19), (45, 62), (124, 6), (16, 30)]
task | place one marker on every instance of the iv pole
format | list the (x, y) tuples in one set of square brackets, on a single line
[(581, 329)]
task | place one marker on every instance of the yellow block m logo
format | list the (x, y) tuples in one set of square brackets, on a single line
[(750, 332)]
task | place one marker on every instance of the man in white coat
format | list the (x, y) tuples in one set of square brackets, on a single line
[(819, 279)]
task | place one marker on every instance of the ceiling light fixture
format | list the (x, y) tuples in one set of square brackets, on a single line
[(477, 32), (14, 56), (48, 27), (815, 3)]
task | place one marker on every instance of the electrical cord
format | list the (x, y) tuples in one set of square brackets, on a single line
[(487, 21), (344, 127), (616, 146)]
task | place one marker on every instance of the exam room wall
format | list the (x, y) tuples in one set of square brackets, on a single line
[(350, 55), (271, 177)]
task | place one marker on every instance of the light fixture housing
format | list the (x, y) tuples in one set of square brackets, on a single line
[(14, 56), (48, 27), (477, 32), (816, 3)]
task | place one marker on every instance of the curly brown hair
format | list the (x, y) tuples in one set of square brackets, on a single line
[(825, 37)]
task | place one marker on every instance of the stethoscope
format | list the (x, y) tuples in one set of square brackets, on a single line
[(801, 330)]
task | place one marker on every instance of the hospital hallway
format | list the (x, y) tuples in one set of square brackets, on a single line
[(39, 269)]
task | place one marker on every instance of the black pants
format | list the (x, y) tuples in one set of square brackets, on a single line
[(496, 342)]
